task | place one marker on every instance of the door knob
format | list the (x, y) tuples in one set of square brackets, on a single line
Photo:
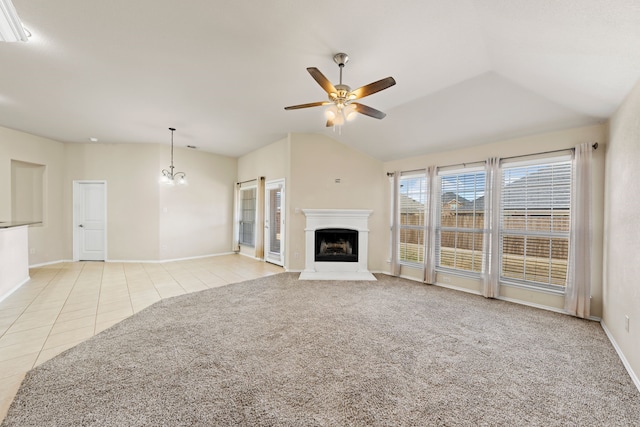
[(81, 226)]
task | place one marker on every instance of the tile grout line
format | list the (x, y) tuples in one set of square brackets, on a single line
[(75, 282), (146, 271), (126, 280), (60, 271), (31, 302), (95, 319), (175, 280)]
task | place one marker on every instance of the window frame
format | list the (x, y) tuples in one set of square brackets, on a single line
[(241, 215), (439, 229), (420, 228), (551, 234)]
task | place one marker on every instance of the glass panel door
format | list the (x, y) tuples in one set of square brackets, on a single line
[(274, 222)]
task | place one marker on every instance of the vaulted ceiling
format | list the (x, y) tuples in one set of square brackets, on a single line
[(467, 71)]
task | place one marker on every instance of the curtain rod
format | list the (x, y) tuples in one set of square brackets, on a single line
[(594, 146), (261, 178), (464, 165), (414, 170), (244, 182)]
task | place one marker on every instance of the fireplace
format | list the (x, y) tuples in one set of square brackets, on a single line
[(336, 244)]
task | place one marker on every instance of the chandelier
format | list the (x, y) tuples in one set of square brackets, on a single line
[(170, 177)]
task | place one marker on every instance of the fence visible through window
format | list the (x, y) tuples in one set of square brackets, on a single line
[(412, 216), (459, 232), (535, 221)]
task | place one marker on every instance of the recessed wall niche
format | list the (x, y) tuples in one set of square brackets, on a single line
[(27, 191)]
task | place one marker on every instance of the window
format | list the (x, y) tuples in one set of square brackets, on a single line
[(459, 231), (247, 216), (534, 223), (412, 217)]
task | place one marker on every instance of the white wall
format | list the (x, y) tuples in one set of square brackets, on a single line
[(46, 241), (197, 221), (131, 172), (316, 162), (516, 147), (271, 162), (147, 220), (622, 229), (311, 164)]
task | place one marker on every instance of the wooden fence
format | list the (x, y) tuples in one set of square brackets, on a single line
[(537, 269), (512, 245)]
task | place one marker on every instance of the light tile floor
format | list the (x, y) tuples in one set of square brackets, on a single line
[(67, 303)]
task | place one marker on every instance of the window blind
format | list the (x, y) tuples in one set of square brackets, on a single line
[(459, 230), (412, 216), (535, 221)]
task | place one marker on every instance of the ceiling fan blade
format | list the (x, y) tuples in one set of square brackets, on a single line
[(322, 80), (368, 111), (374, 87), (311, 104)]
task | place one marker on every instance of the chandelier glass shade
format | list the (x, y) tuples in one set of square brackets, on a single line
[(170, 177)]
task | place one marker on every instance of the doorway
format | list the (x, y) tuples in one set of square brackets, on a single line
[(274, 222), (89, 220)]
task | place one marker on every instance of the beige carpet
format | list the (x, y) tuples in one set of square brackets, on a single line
[(278, 351)]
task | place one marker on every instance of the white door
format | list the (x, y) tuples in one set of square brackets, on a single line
[(89, 220), (274, 222)]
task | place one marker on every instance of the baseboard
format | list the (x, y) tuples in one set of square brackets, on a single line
[(534, 305), (442, 285), (15, 288), (624, 360), (158, 261), (148, 261), (49, 263), (457, 288), (249, 256)]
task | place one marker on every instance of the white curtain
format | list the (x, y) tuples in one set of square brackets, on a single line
[(395, 224), (491, 240), (259, 237), (578, 292), (236, 219), (431, 209)]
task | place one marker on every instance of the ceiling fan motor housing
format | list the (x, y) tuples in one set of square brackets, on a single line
[(342, 95)]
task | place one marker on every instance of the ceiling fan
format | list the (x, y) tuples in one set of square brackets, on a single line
[(341, 97)]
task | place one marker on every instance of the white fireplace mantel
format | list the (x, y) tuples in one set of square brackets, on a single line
[(353, 219)]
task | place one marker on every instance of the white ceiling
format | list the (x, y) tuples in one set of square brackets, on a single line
[(221, 72)]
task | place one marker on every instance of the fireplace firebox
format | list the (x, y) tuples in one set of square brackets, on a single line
[(336, 245)]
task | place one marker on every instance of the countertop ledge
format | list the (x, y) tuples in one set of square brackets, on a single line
[(10, 224)]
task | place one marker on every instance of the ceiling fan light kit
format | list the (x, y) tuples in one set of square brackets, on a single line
[(341, 98)]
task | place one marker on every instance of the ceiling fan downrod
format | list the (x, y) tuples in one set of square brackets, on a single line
[(341, 59)]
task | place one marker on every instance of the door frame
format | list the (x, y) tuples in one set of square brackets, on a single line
[(267, 239), (74, 223)]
